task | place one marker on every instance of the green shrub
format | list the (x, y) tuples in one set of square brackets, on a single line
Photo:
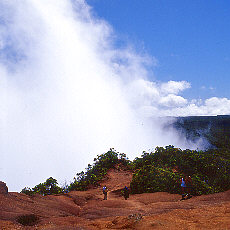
[(96, 172), (161, 170), (49, 187), (155, 179)]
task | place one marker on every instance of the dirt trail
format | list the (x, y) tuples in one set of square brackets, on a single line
[(116, 180), (87, 210)]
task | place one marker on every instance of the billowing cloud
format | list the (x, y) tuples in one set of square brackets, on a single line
[(67, 93), (162, 99)]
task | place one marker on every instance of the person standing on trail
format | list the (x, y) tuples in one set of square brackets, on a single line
[(183, 188), (126, 192), (188, 181), (105, 191)]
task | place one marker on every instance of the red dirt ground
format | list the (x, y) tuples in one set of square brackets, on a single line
[(88, 211)]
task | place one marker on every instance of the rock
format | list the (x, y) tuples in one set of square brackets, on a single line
[(3, 188)]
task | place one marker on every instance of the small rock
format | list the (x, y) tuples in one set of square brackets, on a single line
[(136, 217), (3, 188)]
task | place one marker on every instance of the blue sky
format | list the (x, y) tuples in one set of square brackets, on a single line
[(190, 39)]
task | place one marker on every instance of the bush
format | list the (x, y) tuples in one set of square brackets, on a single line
[(96, 172), (154, 179), (49, 187), (161, 170), (28, 220)]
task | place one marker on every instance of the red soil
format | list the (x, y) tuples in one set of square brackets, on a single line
[(87, 210)]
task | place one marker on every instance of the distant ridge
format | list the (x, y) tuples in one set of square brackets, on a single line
[(215, 129)]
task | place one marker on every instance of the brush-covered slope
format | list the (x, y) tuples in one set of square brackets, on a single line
[(214, 129)]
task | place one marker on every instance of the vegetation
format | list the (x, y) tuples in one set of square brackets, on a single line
[(50, 186), (214, 129), (96, 172), (156, 171), (28, 220), (161, 171), (83, 180)]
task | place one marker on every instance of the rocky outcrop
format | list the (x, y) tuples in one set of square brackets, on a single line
[(3, 188)]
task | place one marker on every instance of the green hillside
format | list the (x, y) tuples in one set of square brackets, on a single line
[(215, 129), (162, 169)]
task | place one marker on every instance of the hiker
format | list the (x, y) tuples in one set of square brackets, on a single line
[(126, 192), (188, 181), (183, 188), (105, 191)]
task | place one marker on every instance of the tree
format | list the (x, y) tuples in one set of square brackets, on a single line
[(49, 187)]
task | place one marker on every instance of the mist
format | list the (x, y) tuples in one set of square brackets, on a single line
[(68, 92)]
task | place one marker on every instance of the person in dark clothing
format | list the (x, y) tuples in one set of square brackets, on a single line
[(105, 191), (126, 192)]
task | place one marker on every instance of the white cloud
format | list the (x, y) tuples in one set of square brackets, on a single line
[(174, 87), (212, 106), (203, 87), (157, 99), (207, 88), (172, 100), (158, 95)]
